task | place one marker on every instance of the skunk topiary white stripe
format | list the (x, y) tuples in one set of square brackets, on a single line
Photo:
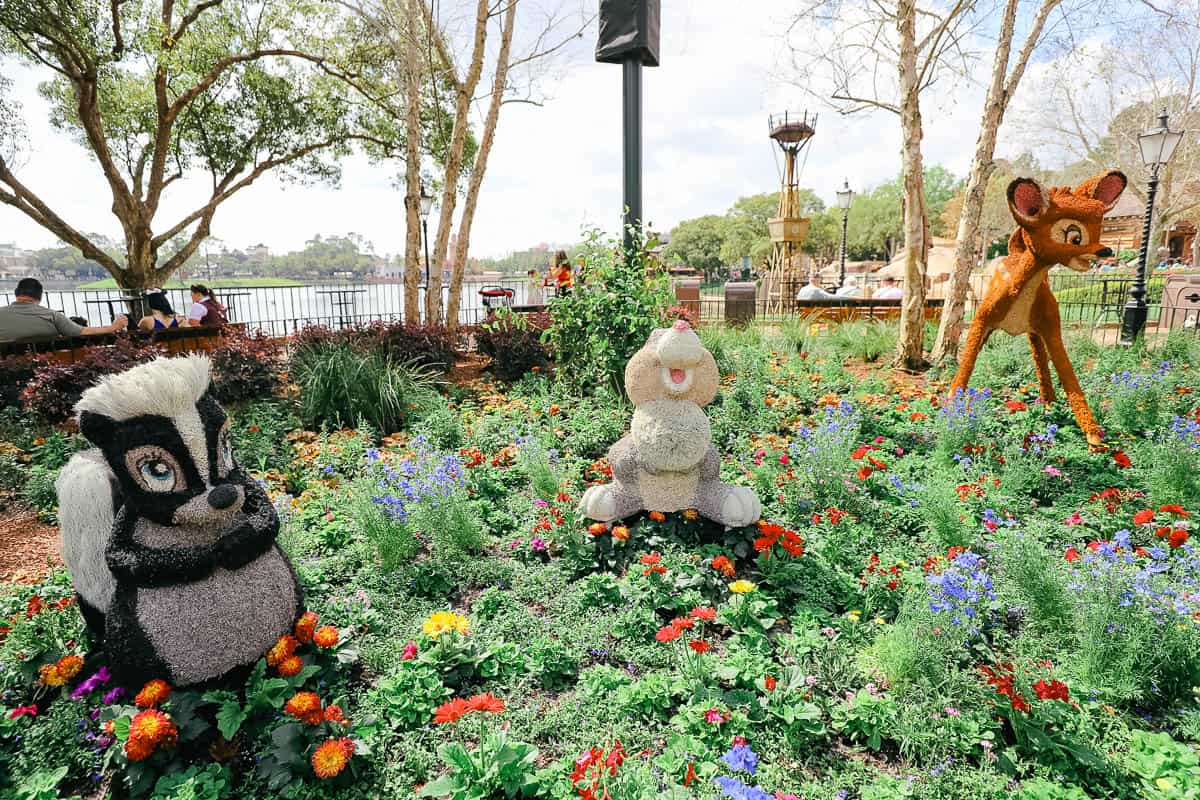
[(85, 516), (149, 389)]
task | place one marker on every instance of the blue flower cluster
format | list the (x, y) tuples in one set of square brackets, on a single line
[(1166, 584), (838, 432), (1128, 382), (740, 758), (960, 591), (1040, 442), (1186, 430), (427, 478), (964, 409)]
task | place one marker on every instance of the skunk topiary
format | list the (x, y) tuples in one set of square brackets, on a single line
[(170, 544)]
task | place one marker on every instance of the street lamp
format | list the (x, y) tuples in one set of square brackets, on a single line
[(1157, 146), (426, 205), (844, 197)]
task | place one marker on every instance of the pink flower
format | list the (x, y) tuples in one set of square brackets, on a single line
[(410, 652), (1052, 471), (1074, 519), (715, 717)]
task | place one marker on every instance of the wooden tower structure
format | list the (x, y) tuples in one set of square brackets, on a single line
[(784, 271)]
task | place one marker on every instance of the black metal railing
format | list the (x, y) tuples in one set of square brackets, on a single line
[(285, 309)]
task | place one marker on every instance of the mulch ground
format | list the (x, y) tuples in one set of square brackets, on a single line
[(28, 548)]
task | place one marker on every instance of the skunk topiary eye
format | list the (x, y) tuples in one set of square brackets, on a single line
[(154, 469)]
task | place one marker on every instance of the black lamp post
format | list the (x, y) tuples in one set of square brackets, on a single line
[(1157, 146), (426, 205), (844, 197), (629, 32)]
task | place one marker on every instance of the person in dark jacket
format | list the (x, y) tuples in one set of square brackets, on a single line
[(205, 310)]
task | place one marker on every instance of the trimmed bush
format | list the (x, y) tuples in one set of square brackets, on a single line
[(514, 342), (245, 367), (55, 388)]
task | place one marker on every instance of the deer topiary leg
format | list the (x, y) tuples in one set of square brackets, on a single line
[(976, 337), (1041, 364)]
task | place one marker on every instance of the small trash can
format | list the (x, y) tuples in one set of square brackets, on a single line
[(1180, 303), (740, 302), (687, 294)]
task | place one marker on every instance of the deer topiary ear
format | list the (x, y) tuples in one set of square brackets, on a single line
[(1107, 187), (1027, 199)]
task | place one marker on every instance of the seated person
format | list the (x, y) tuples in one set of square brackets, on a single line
[(161, 316), (889, 290), (850, 289), (813, 291), (205, 311), (26, 320)]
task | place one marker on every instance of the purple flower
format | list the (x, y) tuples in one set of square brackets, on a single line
[(537, 543), (91, 684), (741, 758), (113, 695)]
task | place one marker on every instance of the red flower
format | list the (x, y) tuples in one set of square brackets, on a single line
[(1014, 406), (864, 473), (861, 451), (690, 776), (24, 711), (306, 707), (683, 623), (1053, 690), (152, 694), (451, 711), (1144, 516), (723, 565), (1071, 555), (1177, 538), (290, 666), (1121, 459), (667, 633), (486, 703), (769, 683), (699, 645), (305, 626), (650, 558), (597, 528), (1174, 508), (658, 570), (703, 614)]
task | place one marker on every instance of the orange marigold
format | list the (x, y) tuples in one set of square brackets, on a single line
[(326, 636), (149, 730), (306, 707), (290, 666), (153, 694), (334, 714), (305, 626), (284, 648), (331, 757), (658, 516), (60, 672)]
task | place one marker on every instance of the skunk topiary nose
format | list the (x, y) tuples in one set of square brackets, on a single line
[(223, 496)]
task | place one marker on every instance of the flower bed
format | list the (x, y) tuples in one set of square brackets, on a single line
[(946, 598)]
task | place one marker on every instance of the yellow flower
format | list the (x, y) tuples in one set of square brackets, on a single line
[(445, 621), (690, 514), (742, 586), (854, 614), (879, 621)]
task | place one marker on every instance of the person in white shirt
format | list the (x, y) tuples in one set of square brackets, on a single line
[(850, 289), (889, 290), (812, 290)]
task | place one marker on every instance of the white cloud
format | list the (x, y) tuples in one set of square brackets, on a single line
[(557, 168)]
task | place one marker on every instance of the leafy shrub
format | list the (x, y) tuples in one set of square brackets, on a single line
[(15, 373), (260, 430), (39, 492), (245, 367), (428, 346), (607, 317), (57, 387), (514, 342), (340, 385)]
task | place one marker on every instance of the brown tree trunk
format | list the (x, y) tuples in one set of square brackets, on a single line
[(464, 92), (412, 169), (462, 246), (1000, 89), (910, 347)]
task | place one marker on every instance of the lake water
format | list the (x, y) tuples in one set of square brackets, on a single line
[(284, 309)]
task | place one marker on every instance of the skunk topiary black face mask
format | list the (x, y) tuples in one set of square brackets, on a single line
[(170, 544)]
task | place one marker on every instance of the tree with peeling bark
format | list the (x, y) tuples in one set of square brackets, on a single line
[(884, 55), (157, 91), (507, 42), (1007, 72)]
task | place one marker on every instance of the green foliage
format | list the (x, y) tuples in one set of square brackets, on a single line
[(340, 385), (607, 316), (498, 768), (864, 339)]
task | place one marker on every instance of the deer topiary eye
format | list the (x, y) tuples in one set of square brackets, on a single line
[(1073, 235)]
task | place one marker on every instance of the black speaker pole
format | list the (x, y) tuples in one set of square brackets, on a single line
[(632, 136)]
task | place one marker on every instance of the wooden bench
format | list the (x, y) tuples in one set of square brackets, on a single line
[(70, 349), (841, 309)]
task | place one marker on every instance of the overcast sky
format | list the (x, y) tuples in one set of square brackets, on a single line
[(557, 168)]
